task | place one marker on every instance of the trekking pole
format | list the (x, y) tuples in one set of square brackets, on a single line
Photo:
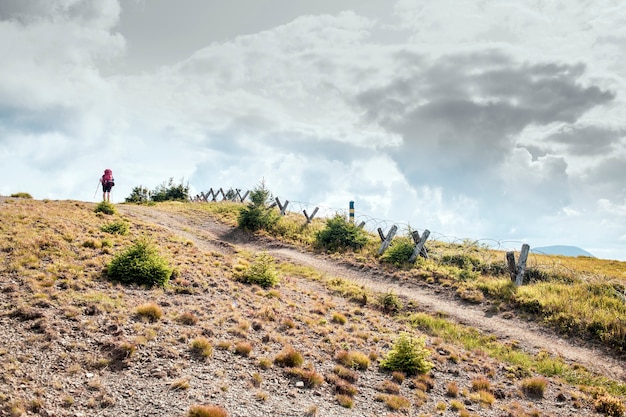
[(97, 186)]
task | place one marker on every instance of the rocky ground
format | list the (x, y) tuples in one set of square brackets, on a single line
[(79, 349)]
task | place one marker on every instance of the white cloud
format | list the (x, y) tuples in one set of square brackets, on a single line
[(471, 119)]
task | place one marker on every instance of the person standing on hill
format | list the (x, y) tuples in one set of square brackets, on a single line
[(107, 182)]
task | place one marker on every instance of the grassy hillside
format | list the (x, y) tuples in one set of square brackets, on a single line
[(73, 341), (580, 297)]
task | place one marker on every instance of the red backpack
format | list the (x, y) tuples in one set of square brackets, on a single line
[(107, 178)]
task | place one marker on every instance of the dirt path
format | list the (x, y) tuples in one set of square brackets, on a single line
[(212, 235)]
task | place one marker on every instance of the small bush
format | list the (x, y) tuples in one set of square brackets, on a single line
[(139, 195), (168, 191), (388, 387), (408, 355), (452, 389), (339, 318), (395, 402), (243, 348), (610, 406), (399, 252), (345, 400), (150, 311), (105, 207), (310, 378), (207, 411), (481, 384), (116, 228), (255, 218), (289, 357), (21, 195), (339, 235), (261, 272), (353, 360), (534, 387), (202, 346), (140, 264), (345, 373), (390, 303), (187, 318)]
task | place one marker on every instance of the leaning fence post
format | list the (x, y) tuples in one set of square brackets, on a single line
[(212, 194), (419, 246), (244, 196), (416, 239), (521, 264), (386, 239), (309, 218), (281, 207), (516, 271)]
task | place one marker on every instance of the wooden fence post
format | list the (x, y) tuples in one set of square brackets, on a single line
[(361, 225), (386, 239), (281, 207), (510, 262), (309, 218), (517, 270), (416, 239), (244, 196), (521, 264), (419, 246)]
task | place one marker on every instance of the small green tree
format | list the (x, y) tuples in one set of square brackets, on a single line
[(140, 264), (408, 355), (257, 214), (168, 191), (340, 234), (140, 195)]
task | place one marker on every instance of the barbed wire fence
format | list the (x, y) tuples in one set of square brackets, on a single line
[(441, 246)]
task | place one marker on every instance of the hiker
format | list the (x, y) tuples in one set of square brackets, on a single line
[(107, 182)]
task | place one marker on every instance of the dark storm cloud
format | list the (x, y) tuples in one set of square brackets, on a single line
[(459, 116), (589, 140)]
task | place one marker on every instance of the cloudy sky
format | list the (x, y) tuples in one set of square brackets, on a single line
[(479, 119)]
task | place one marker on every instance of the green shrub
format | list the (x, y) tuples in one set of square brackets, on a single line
[(261, 272), (340, 234), (258, 215), (408, 355), (140, 264), (390, 303), (168, 191), (21, 195), (139, 195), (610, 406), (116, 228), (255, 218), (399, 251), (461, 261), (105, 207)]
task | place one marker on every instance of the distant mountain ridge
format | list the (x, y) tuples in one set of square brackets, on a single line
[(562, 250)]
